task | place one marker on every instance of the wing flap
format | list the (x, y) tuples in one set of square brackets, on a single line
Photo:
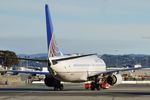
[(39, 60)]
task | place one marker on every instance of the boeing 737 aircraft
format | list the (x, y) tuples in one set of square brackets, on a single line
[(74, 68)]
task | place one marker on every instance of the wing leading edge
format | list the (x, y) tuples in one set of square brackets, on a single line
[(113, 71)]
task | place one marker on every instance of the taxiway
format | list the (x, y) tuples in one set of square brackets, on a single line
[(75, 92)]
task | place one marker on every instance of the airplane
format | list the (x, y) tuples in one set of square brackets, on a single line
[(73, 68)]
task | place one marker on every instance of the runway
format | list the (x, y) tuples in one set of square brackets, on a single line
[(75, 92)]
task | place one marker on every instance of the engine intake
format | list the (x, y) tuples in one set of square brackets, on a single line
[(114, 79)]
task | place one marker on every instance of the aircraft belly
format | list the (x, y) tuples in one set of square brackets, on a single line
[(72, 76)]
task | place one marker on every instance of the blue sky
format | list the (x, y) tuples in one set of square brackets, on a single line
[(80, 26)]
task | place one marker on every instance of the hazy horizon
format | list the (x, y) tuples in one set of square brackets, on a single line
[(97, 26)]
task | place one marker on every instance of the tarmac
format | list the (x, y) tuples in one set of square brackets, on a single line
[(75, 92)]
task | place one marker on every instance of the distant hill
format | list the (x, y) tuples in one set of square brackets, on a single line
[(40, 55), (126, 60)]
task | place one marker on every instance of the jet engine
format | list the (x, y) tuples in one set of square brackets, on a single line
[(114, 79), (50, 81)]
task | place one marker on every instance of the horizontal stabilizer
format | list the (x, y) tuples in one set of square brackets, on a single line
[(29, 59), (25, 72)]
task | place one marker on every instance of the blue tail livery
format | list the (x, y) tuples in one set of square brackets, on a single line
[(53, 49)]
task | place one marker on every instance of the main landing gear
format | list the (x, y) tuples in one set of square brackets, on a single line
[(94, 85), (58, 86)]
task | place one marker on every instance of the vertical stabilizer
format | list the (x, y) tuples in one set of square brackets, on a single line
[(53, 49)]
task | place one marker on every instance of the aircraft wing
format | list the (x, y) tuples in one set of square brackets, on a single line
[(25, 72), (29, 59), (113, 71), (39, 60)]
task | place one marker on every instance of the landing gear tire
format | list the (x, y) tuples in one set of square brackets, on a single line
[(59, 87), (95, 86), (55, 89), (92, 86)]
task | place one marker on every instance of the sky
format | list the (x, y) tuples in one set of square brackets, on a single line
[(80, 26)]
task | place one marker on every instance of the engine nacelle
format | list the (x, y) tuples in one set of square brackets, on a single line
[(114, 79), (51, 81), (48, 81)]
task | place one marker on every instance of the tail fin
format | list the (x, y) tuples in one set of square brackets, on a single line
[(52, 46)]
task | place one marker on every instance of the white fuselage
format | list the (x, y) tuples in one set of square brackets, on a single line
[(78, 69)]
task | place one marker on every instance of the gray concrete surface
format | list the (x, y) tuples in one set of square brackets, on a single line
[(75, 92)]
